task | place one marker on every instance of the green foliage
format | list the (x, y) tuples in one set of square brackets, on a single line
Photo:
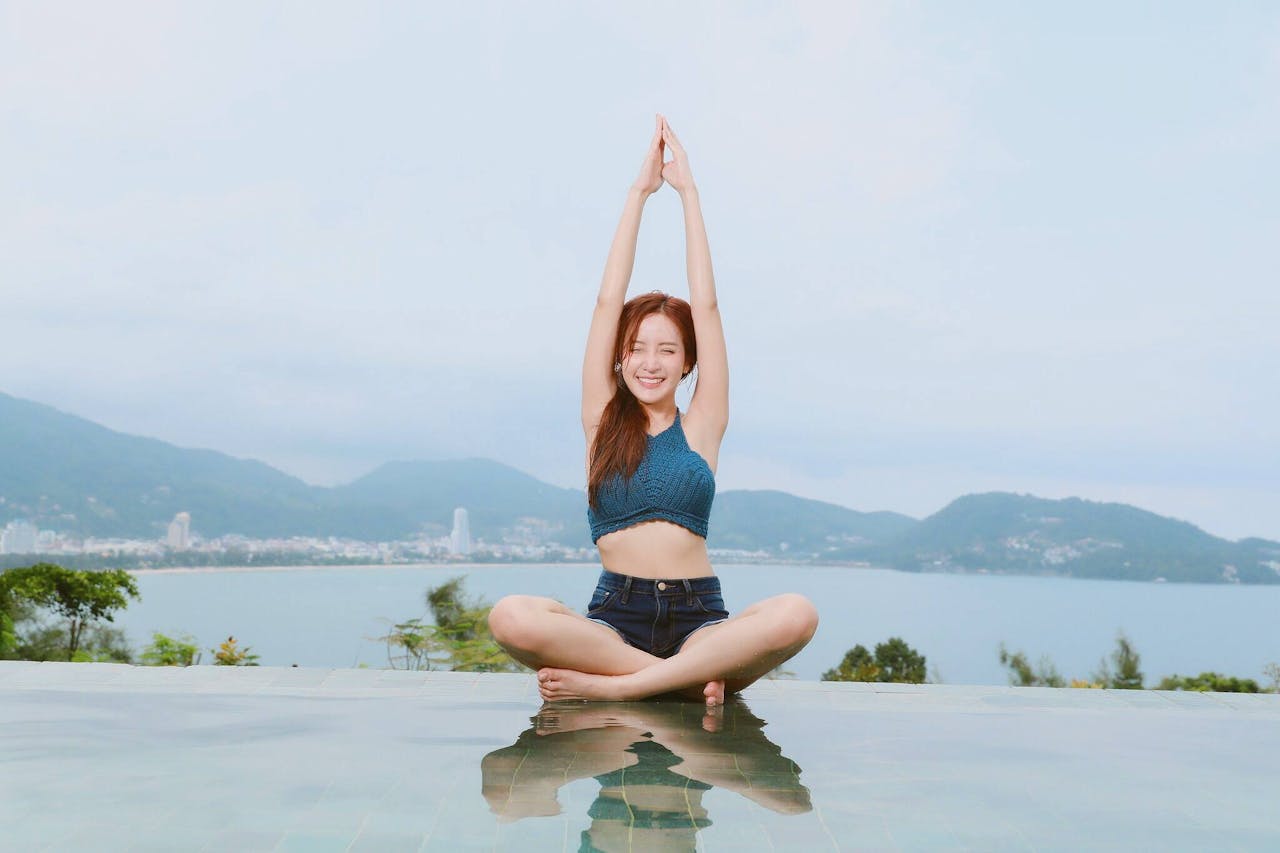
[(80, 597), (1124, 671), (894, 661), (99, 644), (1207, 681), (229, 653), (9, 616), (857, 665), (1272, 673), (167, 651), (899, 663), (458, 637), (103, 644), (1022, 674)]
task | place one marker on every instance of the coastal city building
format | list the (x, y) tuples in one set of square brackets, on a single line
[(460, 538), (179, 536), (19, 537)]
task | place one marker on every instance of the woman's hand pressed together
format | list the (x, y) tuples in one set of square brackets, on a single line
[(676, 171), (650, 179)]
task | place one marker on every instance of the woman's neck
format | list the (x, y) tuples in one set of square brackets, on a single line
[(661, 416)]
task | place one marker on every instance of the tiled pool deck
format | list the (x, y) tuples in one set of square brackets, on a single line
[(100, 757)]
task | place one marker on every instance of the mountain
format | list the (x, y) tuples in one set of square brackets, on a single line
[(1023, 534), (496, 496), (69, 474), (768, 519)]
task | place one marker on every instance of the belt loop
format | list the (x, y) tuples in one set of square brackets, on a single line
[(626, 589), (688, 592)]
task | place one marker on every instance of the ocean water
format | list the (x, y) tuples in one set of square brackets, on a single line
[(332, 617)]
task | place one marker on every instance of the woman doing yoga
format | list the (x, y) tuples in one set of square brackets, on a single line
[(656, 623)]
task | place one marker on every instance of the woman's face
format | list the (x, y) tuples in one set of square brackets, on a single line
[(656, 361)]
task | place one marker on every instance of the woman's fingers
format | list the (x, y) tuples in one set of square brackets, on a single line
[(658, 143), (670, 135)]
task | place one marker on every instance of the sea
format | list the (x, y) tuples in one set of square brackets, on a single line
[(333, 617)]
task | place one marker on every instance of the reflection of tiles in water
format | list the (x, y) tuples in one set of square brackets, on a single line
[(653, 761), (110, 757)]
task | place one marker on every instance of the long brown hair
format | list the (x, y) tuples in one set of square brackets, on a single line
[(620, 438)]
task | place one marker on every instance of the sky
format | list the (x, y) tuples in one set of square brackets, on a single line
[(958, 247)]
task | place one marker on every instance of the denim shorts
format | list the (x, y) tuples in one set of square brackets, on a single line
[(656, 615)]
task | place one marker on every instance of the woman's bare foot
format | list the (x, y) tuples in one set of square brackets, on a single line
[(559, 684), (713, 719), (712, 693), (561, 719)]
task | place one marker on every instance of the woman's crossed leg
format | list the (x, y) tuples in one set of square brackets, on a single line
[(541, 632), (589, 661)]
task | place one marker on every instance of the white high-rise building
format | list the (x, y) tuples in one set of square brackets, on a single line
[(179, 538), (18, 537), (460, 538)]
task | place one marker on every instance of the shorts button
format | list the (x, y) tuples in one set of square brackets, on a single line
[(661, 585)]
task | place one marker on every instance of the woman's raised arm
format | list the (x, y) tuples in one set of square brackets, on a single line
[(598, 383), (709, 408)]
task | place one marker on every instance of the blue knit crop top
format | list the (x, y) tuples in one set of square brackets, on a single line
[(673, 483)]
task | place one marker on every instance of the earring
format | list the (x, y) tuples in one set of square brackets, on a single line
[(617, 367)]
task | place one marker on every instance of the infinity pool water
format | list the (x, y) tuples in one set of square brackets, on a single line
[(108, 757)]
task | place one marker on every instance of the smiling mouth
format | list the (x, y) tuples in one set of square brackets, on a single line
[(649, 383)]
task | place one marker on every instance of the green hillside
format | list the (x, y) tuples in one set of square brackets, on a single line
[(496, 496), (768, 519), (1023, 534), (69, 474)]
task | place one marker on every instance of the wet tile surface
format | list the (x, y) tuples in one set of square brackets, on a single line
[(112, 757)]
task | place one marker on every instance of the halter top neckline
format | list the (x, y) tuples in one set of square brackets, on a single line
[(668, 429)]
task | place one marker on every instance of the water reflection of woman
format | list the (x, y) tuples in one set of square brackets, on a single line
[(656, 623), (653, 761)]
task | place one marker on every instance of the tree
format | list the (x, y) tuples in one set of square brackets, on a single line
[(1022, 674), (10, 614), (167, 651), (1272, 672), (1124, 672), (98, 644), (894, 661), (899, 662), (230, 654), (1209, 681), (81, 597), (103, 644), (857, 665), (458, 637)]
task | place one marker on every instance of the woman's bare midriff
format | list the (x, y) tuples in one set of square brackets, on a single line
[(655, 549)]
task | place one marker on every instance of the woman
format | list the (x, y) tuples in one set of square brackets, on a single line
[(656, 623)]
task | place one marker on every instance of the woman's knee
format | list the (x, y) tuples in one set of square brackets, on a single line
[(509, 618), (516, 621), (795, 620)]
